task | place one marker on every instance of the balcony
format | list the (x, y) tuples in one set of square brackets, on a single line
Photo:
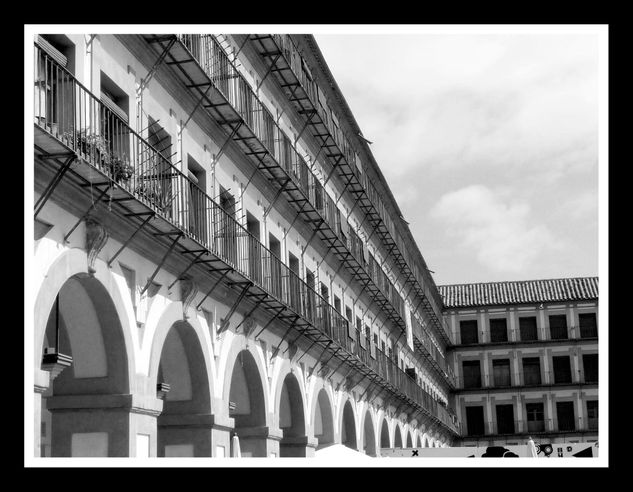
[(85, 143), (514, 338), (291, 72), (205, 69), (532, 427), (545, 379)]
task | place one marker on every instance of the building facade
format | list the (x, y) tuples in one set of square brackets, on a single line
[(218, 258), (526, 359)]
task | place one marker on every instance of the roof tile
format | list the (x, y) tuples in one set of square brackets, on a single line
[(519, 292)]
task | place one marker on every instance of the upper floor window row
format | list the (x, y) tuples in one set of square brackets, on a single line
[(528, 329)]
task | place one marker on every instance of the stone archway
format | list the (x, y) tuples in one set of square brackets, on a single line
[(323, 421), (397, 437), (348, 426), (369, 436), (85, 410), (385, 442), (425, 441), (409, 440), (186, 422), (292, 423), (247, 405)]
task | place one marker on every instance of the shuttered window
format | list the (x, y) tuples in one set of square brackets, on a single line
[(53, 52)]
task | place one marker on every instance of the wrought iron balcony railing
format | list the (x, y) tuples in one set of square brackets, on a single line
[(525, 380), (282, 156), (574, 334), (532, 427), (67, 112), (280, 49)]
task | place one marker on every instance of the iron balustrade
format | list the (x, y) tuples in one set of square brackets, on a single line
[(69, 112), (531, 427), (299, 68), (525, 379), (229, 81), (514, 337)]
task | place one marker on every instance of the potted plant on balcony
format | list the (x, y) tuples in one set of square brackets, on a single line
[(120, 167)]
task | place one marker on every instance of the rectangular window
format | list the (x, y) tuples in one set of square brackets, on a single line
[(505, 419), (196, 210), (535, 417), (468, 331), (157, 164), (498, 330), (588, 326), (475, 421), (558, 326), (310, 298), (562, 369), (527, 328), (531, 370), (351, 333), (501, 372), (275, 269), (295, 282), (472, 374), (565, 415), (592, 414), (590, 365)]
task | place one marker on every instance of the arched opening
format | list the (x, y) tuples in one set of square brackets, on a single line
[(369, 437), (397, 441), (85, 353), (419, 445), (291, 419), (183, 429), (384, 435), (409, 440), (348, 427), (323, 421), (247, 405)]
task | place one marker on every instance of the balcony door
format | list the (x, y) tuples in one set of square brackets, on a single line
[(475, 421)]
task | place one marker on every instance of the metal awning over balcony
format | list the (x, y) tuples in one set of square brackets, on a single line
[(78, 139), (276, 50)]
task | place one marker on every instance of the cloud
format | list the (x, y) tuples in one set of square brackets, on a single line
[(501, 235), (517, 113), (450, 102)]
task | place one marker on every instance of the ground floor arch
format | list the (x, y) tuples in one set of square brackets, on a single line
[(292, 418), (84, 410), (323, 420), (348, 427), (384, 435), (186, 421), (246, 404), (369, 437), (397, 438)]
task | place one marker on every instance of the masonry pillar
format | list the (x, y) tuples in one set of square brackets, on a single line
[(102, 425), (41, 382), (260, 441)]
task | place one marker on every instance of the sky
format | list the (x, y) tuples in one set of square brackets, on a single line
[(489, 143)]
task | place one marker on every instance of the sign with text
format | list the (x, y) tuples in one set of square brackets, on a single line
[(543, 450)]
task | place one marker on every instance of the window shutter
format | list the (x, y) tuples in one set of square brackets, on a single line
[(112, 106), (351, 331), (53, 52)]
